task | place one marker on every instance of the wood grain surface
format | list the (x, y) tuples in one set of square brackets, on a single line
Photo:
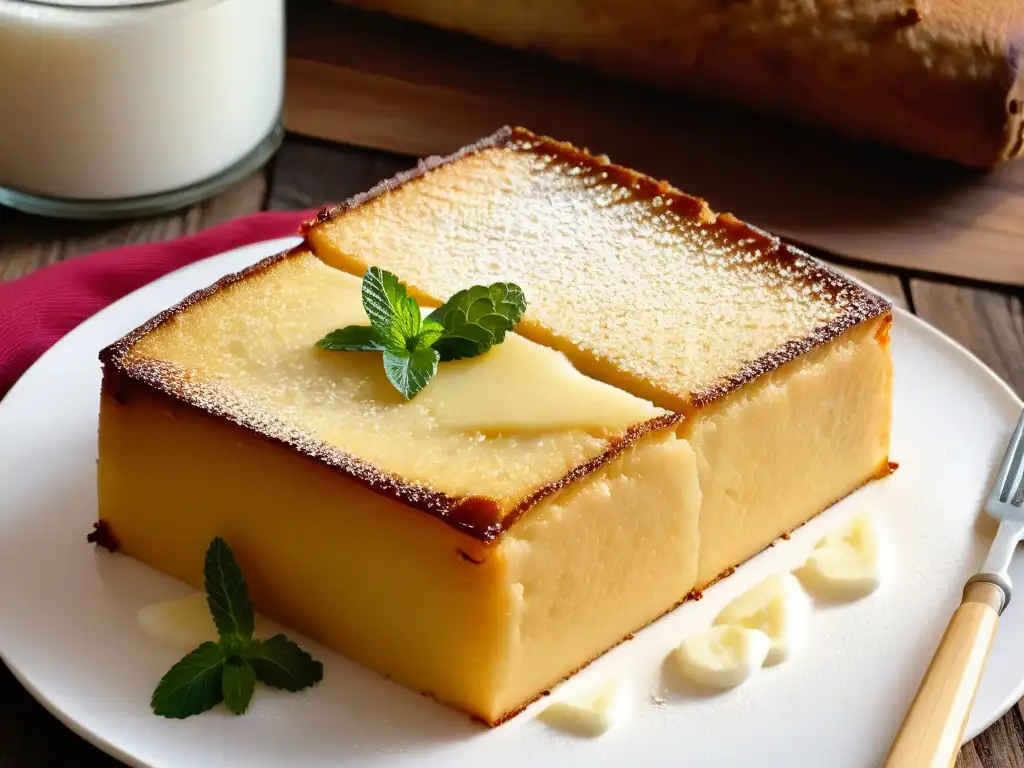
[(987, 320), (375, 82)]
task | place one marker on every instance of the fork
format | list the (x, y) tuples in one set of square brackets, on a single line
[(933, 729)]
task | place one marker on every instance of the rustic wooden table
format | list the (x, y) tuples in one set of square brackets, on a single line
[(989, 321)]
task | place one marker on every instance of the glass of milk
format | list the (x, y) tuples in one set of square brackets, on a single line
[(115, 108)]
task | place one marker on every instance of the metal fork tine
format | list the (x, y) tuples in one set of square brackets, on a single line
[(1015, 479), (1012, 467)]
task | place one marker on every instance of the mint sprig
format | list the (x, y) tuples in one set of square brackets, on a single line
[(238, 683), (394, 315), (227, 671), (410, 371), (467, 325), (193, 685), (227, 594), (477, 318), (280, 663), (354, 338)]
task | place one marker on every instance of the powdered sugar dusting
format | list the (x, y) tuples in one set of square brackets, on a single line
[(639, 283), (245, 351), (222, 400)]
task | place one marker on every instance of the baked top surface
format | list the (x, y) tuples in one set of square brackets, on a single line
[(246, 351), (681, 305)]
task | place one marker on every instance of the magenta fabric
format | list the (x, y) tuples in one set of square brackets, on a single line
[(37, 310)]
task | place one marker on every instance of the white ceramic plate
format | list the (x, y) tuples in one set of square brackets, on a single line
[(68, 628)]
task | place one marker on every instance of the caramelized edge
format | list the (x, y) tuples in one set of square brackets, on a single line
[(476, 516), (863, 303), (499, 138)]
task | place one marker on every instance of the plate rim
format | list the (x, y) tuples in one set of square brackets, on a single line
[(275, 245)]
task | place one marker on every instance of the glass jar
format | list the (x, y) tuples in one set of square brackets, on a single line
[(130, 107)]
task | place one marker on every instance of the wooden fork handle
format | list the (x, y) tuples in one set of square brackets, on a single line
[(934, 726)]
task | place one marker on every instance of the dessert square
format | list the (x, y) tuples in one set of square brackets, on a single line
[(478, 542), (780, 363), (682, 390)]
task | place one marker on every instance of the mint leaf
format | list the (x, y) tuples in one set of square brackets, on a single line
[(393, 313), (510, 300), (469, 324), (430, 331), (191, 686), (280, 663), (227, 670), (354, 338), (227, 594), (465, 341), (477, 318), (238, 684), (410, 371)]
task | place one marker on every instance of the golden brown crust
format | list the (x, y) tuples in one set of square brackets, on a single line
[(499, 138), (476, 516), (859, 304), (789, 351), (113, 353)]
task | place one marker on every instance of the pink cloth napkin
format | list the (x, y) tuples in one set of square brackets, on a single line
[(37, 310)]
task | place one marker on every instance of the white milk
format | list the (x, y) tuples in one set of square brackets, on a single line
[(105, 99)]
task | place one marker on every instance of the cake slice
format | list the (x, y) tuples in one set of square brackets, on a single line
[(478, 542), (780, 364), (682, 390)]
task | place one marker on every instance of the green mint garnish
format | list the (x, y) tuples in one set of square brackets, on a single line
[(467, 325), (238, 684), (193, 685), (394, 315), (228, 670), (355, 338), (477, 318), (430, 331), (410, 371), (280, 663), (227, 595)]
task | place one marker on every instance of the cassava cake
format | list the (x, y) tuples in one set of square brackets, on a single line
[(682, 390), (781, 363)]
